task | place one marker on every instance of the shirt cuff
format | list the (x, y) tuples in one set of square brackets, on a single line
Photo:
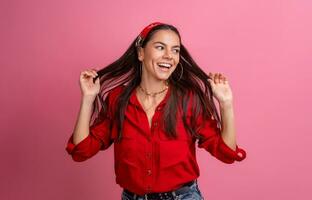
[(238, 154), (71, 147)]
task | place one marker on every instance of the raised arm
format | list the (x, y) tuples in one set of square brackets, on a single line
[(86, 141), (89, 90), (221, 143)]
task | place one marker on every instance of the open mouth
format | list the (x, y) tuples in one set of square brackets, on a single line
[(164, 65)]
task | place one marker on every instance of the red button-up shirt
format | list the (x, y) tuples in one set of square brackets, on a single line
[(146, 160)]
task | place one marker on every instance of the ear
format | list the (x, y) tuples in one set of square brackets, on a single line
[(140, 54)]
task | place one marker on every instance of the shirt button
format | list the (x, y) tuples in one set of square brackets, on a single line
[(148, 155), (155, 124), (149, 172)]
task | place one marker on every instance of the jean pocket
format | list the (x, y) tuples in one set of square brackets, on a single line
[(190, 195)]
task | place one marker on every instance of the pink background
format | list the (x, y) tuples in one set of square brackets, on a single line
[(263, 47)]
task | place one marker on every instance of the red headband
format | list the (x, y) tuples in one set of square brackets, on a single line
[(145, 32)]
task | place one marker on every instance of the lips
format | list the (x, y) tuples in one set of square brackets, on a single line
[(164, 65)]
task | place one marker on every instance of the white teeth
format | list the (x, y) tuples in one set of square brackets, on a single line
[(165, 65)]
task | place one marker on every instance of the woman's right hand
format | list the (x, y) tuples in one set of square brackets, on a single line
[(88, 88)]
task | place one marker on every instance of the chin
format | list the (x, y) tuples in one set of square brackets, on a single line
[(163, 77)]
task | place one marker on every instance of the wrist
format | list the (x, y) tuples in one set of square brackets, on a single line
[(226, 104), (88, 100)]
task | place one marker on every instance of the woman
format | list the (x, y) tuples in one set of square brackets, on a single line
[(154, 103)]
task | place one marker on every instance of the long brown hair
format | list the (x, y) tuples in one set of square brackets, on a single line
[(125, 71)]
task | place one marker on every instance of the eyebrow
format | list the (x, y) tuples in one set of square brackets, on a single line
[(166, 45)]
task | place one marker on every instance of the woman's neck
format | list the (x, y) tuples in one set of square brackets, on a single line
[(152, 85)]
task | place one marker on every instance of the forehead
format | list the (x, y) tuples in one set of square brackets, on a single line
[(167, 37)]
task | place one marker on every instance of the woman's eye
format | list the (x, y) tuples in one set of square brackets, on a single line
[(174, 50)]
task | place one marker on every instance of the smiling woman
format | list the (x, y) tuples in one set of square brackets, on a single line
[(159, 58), (153, 104)]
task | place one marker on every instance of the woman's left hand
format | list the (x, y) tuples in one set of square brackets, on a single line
[(220, 88)]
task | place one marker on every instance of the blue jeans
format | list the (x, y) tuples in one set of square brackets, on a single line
[(192, 194)]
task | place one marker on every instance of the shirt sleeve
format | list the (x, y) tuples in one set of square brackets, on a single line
[(98, 139), (212, 141)]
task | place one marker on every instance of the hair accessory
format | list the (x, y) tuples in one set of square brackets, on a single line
[(145, 32)]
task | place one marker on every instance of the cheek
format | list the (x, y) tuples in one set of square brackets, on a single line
[(174, 68), (153, 54), (177, 58), (177, 63)]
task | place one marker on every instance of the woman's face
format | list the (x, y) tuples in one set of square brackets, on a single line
[(160, 56)]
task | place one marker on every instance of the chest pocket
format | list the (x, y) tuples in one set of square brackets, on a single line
[(181, 131), (125, 150), (174, 152), (128, 131)]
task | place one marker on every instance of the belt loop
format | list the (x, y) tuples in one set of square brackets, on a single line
[(173, 194)]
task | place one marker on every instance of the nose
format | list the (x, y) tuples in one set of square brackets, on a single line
[(168, 54)]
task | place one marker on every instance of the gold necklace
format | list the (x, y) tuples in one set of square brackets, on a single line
[(153, 94)]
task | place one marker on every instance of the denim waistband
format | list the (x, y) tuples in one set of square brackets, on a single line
[(163, 195)]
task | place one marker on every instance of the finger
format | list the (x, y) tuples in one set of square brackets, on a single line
[(216, 78), (90, 73), (96, 74), (86, 74), (93, 72), (222, 78), (219, 78), (225, 80), (97, 80), (210, 76), (211, 82)]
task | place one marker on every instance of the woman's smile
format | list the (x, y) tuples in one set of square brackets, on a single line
[(160, 55), (164, 67)]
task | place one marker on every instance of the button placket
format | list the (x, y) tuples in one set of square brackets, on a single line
[(149, 164)]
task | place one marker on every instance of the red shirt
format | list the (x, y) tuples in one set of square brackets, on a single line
[(146, 160)]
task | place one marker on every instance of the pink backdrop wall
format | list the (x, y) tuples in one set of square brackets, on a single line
[(263, 47)]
